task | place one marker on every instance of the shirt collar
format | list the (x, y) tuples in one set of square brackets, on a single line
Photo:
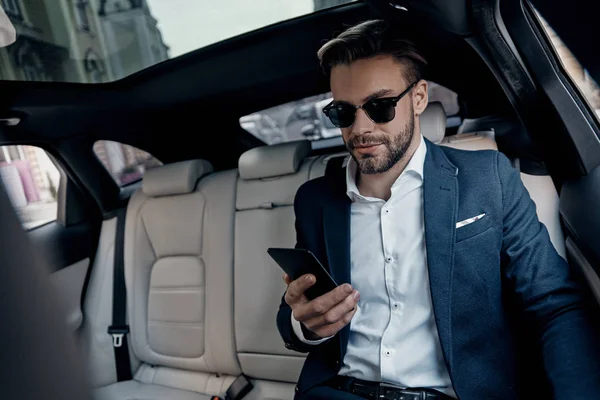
[(414, 167)]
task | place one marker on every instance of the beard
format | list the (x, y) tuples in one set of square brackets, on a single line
[(395, 148)]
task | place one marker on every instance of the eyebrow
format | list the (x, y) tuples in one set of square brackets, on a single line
[(376, 95)]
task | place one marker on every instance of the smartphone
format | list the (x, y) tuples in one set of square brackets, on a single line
[(297, 262)]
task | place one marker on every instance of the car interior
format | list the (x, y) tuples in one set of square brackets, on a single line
[(171, 267)]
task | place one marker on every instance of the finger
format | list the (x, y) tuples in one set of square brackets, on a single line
[(335, 314), (332, 329), (322, 304), (297, 288), (286, 279)]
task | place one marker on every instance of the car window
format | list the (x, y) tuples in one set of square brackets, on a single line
[(585, 83), (31, 180), (96, 41), (126, 164), (304, 118)]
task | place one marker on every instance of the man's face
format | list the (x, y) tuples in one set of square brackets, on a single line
[(377, 147)]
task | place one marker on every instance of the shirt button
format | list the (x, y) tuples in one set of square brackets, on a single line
[(388, 353), (389, 259), (387, 211)]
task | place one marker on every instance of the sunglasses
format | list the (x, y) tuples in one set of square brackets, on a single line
[(380, 111)]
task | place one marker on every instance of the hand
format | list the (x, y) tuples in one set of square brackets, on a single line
[(323, 316)]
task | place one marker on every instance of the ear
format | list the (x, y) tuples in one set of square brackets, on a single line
[(420, 97)]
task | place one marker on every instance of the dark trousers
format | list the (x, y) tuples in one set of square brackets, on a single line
[(327, 393)]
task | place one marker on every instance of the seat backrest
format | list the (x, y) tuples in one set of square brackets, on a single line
[(433, 122), (483, 140), (269, 179), (179, 268)]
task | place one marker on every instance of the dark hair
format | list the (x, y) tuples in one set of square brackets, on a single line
[(370, 39)]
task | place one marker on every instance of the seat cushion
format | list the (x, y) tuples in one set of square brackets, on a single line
[(134, 390), (269, 390)]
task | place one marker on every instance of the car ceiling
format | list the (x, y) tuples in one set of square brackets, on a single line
[(189, 107)]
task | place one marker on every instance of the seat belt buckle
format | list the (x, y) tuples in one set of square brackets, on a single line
[(118, 333), (239, 388)]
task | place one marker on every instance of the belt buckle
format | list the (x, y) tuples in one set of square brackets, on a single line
[(385, 388)]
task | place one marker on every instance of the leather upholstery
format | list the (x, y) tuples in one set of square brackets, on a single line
[(484, 140), (200, 382), (269, 390), (176, 178), (97, 309), (174, 245), (269, 161), (265, 206), (179, 277), (433, 122), (134, 390), (544, 195)]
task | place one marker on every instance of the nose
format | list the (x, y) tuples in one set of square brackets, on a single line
[(362, 123)]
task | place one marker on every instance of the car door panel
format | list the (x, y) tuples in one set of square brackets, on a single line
[(65, 245), (69, 282), (578, 259), (581, 216)]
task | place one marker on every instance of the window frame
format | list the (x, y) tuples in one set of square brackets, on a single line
[(558, 64), (577, 129), (108, 171)]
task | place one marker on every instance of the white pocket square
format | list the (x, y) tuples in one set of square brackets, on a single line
[(469, 221)]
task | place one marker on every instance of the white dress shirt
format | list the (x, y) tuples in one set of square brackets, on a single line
[(393, 336)]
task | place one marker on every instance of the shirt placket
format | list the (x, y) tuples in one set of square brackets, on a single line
[(390, 276)]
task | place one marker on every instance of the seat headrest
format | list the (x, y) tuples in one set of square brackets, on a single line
[(176, 178), (433, 122), (277, 160)]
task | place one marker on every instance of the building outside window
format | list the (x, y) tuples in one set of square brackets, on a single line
[(12, 8), (81, 13), (94, 67), (31, 180)]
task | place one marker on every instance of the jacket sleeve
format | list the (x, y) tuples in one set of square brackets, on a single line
[(284, 317), (548, 293)]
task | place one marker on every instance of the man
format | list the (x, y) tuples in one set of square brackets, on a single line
[(442, 263)]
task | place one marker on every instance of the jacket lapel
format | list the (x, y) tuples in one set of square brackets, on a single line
[(336, 230), (440, 201), (336, 227)]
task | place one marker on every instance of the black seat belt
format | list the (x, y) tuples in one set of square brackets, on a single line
[(119, 328)]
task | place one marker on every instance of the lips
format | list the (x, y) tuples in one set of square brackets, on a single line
[(366, 145), (368, 148)]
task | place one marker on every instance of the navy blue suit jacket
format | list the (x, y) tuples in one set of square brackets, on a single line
[(507, 306)]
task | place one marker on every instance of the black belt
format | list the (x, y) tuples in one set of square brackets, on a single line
[(383, 391)]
